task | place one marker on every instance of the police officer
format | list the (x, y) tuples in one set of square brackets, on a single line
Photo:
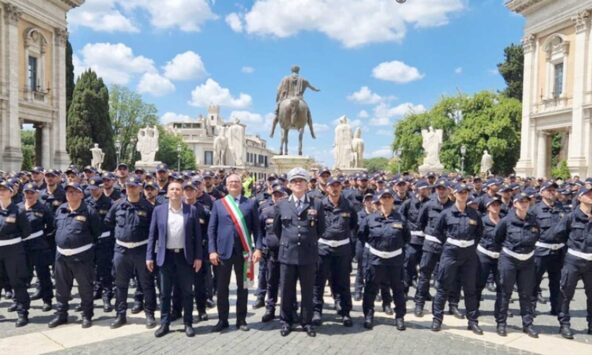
[(335, 251), (38, 251), (77, 229), (517, 234), (367, 209), (575, 229), (130, 217), (488, 251), (385, 233), (549, 252), (459, 229), (14, 227), (298, 223), (109, 189), (104, 247)]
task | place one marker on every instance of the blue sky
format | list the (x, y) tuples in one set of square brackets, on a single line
[(373, 60)]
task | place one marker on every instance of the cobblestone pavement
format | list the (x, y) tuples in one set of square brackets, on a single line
[(332, 337)]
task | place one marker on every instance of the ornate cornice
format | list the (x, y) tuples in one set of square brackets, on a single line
[(12, 13), (528, 43), (582, 20), (520, 5), (60, 36)]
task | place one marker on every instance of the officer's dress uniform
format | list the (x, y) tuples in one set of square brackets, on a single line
[(459, 232), (488, 252), (53, 200), (103, 252), (131, 222), (76, 233), (385, 238), (335, 254), (517, 238), (413, 250), (298, 229), (549, 252)]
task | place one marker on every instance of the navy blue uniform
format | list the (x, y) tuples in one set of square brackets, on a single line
[(103, 250), (203, 278), (271, 246), (414, 249), (488, 252)]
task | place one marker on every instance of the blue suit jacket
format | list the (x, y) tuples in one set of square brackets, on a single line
[(221, 230), (157, 236)]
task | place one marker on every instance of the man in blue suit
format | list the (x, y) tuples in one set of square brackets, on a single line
[(174, 240), (233, 226)]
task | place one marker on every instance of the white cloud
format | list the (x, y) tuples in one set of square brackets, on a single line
[(115, 63), (320, 127), (384, 152), (397, 72), (352, 23), (211, 93), (101, 15), (186, 15), (169, 117), (248, 70), (363, 114), (246, 117), (458, 70), (383, 112), (185, 66), (234, 21), (155, 85), (384, 132), (364, 96)]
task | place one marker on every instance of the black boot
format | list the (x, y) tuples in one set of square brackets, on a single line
[(400, 324), (86, 322), (475, 328), (220, 326), (268, 316), (137, 308), (453, 310), (369, 320), (387, 309), (58, 320), (259, 303), (317, 318), (107, 307), (22, 320), (436, 325), (501, 330), (119, 321), (347, 321), (530, 331), (418, 311), (566, 332), (161, 331), (150, 321)]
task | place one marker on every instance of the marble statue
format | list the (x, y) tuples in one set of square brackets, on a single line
[(486, 163), (342, 149), (97, 156), (291, 110), (236, 137), (358, 149), (147, 143), (432, 143), (220, 147)]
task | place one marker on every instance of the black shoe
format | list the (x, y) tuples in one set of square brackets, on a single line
[(286, 329), (202, 316), (541, 299), (387, 309), (357, 296), (242, 325), (317, 319), (475, 328), (57, 320), (8, 295), (36, 296), (369, 322), (46, 307), (86, 322), (137, 308), (150, 321), (189, 330), (78, 308), (501, 330), (566, 332), (400, 324), (310, 331), (161, 331), (347, 321), (268, 316), (12, 307), (259, 303), (22, 321), (491, 287), (530, 331), (456, 312), (436, 325), (107, 307), (220, 326), (210, 303), (175, 315), (418, 311), (119, 321)]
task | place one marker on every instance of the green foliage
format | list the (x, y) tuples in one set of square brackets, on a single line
[(28, 149), (89, 121), (555, 148), (561, 171), (167, 151), (374, 165), (512, 70), (69, 75)]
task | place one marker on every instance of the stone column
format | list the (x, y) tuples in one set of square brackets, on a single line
[(524, 166), (12, 155), (60, 157), (541, 154), (576, 160), (45, 145)]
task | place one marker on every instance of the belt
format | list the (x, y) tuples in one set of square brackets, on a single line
[(34, 235), (417, 233), (131, 245), (550, 246), (176, 251), (433, 239), (385, 254), (521, 257), (491, 254), (105, 234), (12, 241), (579, 254), (334, 243), (460, 243), (70, 252)]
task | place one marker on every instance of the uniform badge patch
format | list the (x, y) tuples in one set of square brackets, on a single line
[(269, 221), (345, 215), (38, 214), (11, 219), (472, 222), (56, 203), (142, 213), (103, 211), (398, 225), (202, 221), (80, 218), (312, 212)]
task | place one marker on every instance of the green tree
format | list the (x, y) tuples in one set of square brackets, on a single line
[(167, 150), (28, 149), (512, 70), (89, 121), (69, 75), (128, 114), (374, 165), (561, 171)]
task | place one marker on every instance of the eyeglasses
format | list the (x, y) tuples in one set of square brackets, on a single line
[(233, 182)]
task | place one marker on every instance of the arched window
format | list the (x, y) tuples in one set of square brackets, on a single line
[(35, 48), (557, 49)]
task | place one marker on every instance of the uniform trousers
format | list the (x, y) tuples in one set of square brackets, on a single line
[(14, 262), (289, 275), (126, 263), (79, 267), (574, 269), (513, 271)]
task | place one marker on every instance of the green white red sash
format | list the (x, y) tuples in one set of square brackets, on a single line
[(238, 219)]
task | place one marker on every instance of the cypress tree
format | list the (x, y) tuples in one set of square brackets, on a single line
[(69, 75)]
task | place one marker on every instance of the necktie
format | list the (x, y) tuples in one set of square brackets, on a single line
[(299, 206)]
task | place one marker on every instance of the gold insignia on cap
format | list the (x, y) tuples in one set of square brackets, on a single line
[(92, 181)]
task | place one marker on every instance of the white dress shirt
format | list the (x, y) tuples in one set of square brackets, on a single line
[(175, 229)]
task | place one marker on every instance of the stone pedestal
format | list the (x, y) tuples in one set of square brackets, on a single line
[(351, 171), (147, 166), (424, 169), (284, 163)]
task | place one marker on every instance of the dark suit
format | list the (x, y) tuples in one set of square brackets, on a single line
[(223, 239), (175, 265)]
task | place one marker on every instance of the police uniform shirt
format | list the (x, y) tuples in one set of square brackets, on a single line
[(341, 222), (101, 206), (428, 217), (410, 211), (266, 216), (76, 228), (516, 234), (114, 195), (206, 201), (131, 221), (41, 220), (547, 217), (575, 229), (385, 234), (53, 200), (13, 223), (454, 224), (488, 239), (315, 194)]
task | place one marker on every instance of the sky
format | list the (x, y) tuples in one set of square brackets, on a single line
[(373, 60)]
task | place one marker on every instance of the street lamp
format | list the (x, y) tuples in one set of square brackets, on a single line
[(117, 150), (463, 151), (178, 157)]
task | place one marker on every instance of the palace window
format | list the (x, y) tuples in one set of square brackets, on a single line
[(32, 73), (35, 59), (558, 80), (557, 50), (208, 157)]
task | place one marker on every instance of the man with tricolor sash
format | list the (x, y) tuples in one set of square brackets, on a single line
[(234, 243)]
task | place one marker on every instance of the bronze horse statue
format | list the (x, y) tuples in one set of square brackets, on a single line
[(293, 113)]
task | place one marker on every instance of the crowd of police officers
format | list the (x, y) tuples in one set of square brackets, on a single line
[(455, 233)]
